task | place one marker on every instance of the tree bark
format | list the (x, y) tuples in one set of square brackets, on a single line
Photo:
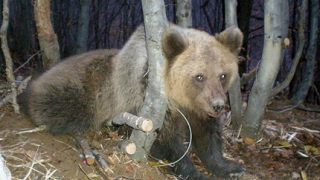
[(184, 13), (308, 73), (269, 67), (83, 27), (230, 14), (155, 104), (7, 56), (234, 91), (48, 40), (295, 61)]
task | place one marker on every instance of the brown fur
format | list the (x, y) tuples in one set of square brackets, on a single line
[(85, 91)]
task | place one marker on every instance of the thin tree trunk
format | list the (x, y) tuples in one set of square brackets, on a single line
[(234, 91), (295, 61), (83, 27), (155, 103), (307, 75), (7, 56), (230, 13), (184, 13), (269, 67), (48, 40)]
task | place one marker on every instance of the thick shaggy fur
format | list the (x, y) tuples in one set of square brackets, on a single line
[(85, 91)]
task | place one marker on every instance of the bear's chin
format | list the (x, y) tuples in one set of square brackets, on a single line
[(214, 114)]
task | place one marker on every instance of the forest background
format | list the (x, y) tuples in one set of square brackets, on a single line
[(111, 23)]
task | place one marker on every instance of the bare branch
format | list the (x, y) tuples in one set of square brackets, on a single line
[(6, 53), (246, 77)]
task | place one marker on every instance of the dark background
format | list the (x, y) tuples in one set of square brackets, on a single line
[(112, 22)]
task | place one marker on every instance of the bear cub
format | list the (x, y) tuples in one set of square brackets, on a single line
[(85, 91)]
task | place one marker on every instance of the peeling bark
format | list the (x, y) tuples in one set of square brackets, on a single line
[(48, 40)]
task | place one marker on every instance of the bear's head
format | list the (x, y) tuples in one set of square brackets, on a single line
[(199, 68)]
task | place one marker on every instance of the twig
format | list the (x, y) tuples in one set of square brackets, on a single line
[(101, 161), (37, 129), (26, 61), (305, 129), (84, 172), (124, 177), (20, 89), (246, 77), (33, 162), (50, 174)]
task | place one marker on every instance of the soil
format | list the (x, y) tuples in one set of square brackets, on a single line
[(289, 149)]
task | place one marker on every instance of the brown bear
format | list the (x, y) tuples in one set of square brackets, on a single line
[(85, 91)]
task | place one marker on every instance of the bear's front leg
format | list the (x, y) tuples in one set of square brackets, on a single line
[(207, 141), (169, 148)]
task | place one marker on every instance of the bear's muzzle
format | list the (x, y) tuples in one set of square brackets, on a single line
[(217, 106)]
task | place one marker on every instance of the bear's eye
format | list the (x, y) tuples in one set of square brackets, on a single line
[(200, 78), (223, 77)]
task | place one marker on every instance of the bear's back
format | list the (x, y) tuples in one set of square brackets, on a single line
[(63, 97)]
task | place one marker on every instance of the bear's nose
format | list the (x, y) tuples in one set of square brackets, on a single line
[(218, 105), (218, 109)]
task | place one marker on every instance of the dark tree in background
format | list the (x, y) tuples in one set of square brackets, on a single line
[(310, 57), (83, 27)]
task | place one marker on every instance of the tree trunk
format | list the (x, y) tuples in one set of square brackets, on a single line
[(184, 13), (7, 56), (295, 61), (308, 73), (155, 104), (83, 27), (269, 67), (234, 91), (230, 14), (48, 41)]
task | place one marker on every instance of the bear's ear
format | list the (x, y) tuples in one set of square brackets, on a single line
[(173, 43), (231, 38)]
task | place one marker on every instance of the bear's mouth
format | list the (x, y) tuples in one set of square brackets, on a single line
[(214, 114)]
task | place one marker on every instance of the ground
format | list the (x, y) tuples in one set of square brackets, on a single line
[(290, 149)]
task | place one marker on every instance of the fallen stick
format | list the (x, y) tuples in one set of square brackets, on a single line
[(127, 146), (101, 161), (84, 144), (133, 121)]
